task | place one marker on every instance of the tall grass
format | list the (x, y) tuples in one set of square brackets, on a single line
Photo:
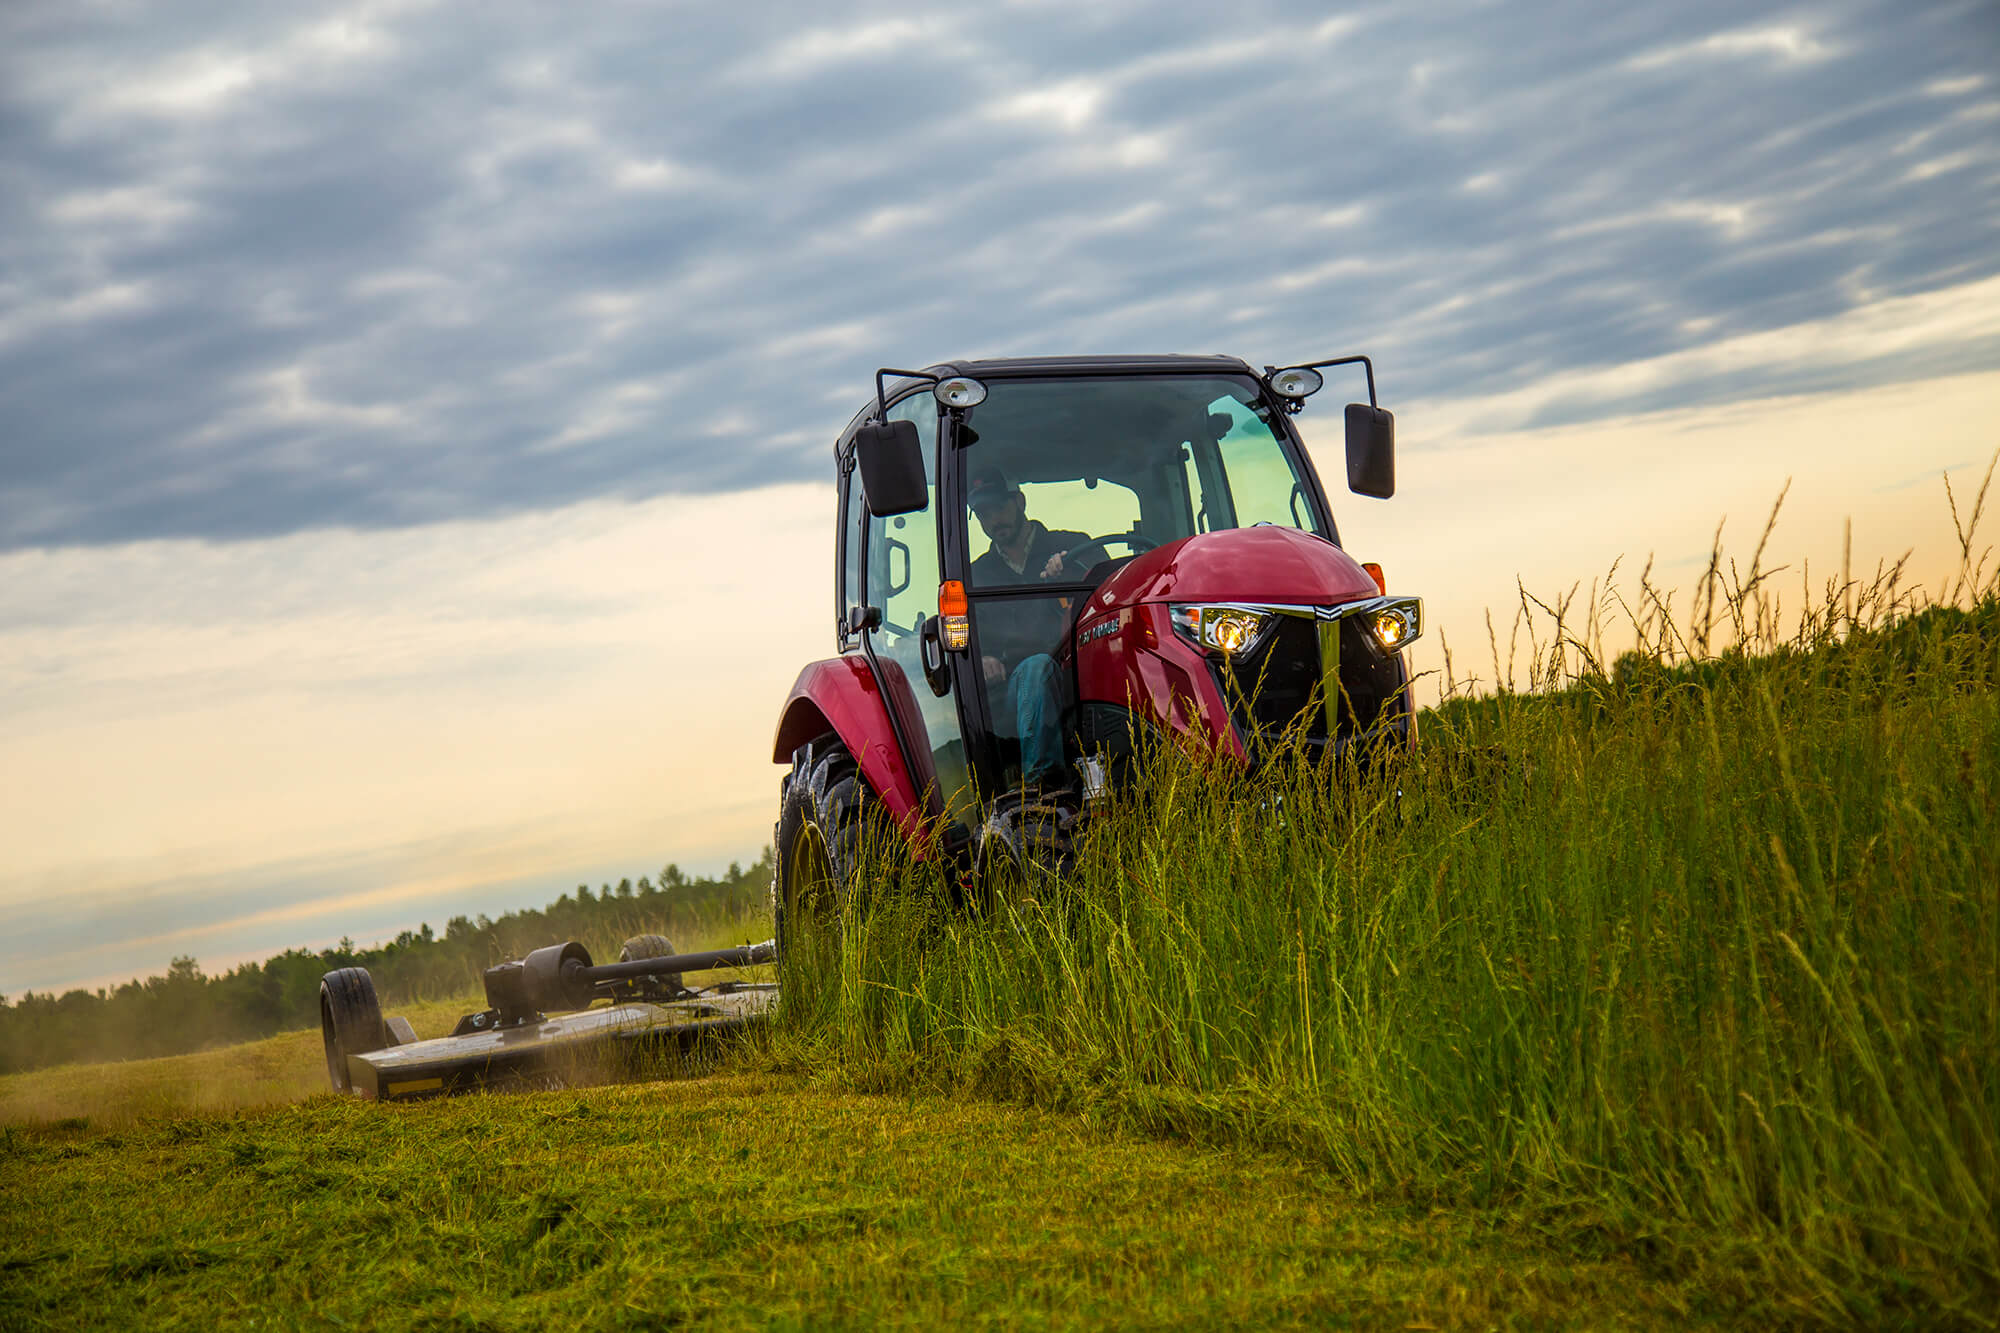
[(1696, 953)]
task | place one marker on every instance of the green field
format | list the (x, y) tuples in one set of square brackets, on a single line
[(742, 1201), (229, 1189), (1665, 993)]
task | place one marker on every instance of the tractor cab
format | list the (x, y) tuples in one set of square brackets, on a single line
[(1041, 559)]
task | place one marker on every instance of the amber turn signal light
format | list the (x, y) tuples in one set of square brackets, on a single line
[(954, 611), (1374, 571)]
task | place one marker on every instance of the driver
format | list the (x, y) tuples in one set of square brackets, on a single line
[(1017, 635)]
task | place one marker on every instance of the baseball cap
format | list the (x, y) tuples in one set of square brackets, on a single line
[(988, 486)]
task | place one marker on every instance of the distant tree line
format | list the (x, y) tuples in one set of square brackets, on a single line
[(185, 1010)]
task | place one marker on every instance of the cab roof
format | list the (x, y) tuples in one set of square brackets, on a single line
[(1006, 367), (1021, 367)]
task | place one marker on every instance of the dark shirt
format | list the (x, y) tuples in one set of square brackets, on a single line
[(1017, 628), (992, 570)]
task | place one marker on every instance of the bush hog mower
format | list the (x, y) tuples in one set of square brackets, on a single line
[(513, 1041), (1043, 563)]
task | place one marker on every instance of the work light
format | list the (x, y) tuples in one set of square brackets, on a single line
[(958, 391), (1296, 382)]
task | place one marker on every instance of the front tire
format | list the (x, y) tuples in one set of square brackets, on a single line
[(823, 805), (1023, 849)]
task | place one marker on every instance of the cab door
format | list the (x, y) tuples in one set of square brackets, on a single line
[(903, 570)]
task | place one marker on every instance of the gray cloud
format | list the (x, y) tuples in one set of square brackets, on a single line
[(391, 264)]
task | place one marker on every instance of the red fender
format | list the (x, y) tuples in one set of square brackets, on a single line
[(841, 695)]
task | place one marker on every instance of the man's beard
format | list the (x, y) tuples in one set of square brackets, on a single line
[(1006, 534)]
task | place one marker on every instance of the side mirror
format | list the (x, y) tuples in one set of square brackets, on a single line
[(1371, 451), (892, 468)]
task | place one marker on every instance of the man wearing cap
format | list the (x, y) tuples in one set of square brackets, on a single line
[(1017, 635)]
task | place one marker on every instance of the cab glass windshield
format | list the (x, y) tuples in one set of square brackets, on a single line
[(1071, 472)]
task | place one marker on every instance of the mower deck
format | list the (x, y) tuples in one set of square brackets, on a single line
[(562, 1045)]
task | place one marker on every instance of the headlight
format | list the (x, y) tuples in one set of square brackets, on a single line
[(1394, 624), (1226, 629)]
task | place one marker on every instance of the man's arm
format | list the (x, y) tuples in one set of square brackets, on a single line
[(1060, 544)]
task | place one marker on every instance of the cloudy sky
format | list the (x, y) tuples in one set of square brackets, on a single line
[(414, 418)]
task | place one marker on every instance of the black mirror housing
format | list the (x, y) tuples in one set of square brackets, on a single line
[(1371, 451), (892, 468)]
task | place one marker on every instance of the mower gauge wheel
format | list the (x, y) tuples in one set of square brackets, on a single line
[(350, 1021), (652, 946)]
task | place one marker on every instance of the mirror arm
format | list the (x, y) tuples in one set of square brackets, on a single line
[(1366, 365), (881, 393)]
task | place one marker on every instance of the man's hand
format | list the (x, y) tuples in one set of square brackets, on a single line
[(1053, 568), (995, 672)]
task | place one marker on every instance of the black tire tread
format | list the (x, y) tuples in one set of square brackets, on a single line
[(350, 1021), (651, 946), (824, 788)]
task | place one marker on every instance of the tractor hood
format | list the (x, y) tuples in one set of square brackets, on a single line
[(1265, 564)]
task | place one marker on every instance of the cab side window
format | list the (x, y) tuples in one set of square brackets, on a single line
[(854, 532)]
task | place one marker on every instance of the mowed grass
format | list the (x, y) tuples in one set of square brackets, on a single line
[(286, 1068), (737, 1202)]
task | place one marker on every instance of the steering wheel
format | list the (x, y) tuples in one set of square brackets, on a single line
[(1138, 544)]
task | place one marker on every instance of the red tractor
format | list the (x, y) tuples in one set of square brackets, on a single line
[(1044, 561)]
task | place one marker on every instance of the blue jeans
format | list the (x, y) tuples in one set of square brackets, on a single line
[(1032, 689)]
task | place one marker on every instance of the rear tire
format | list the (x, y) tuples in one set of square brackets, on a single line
[(350, 1021), (823, 806)]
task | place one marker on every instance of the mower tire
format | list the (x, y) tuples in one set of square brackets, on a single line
[(823, 806), (350, 1021), (652, 946)]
